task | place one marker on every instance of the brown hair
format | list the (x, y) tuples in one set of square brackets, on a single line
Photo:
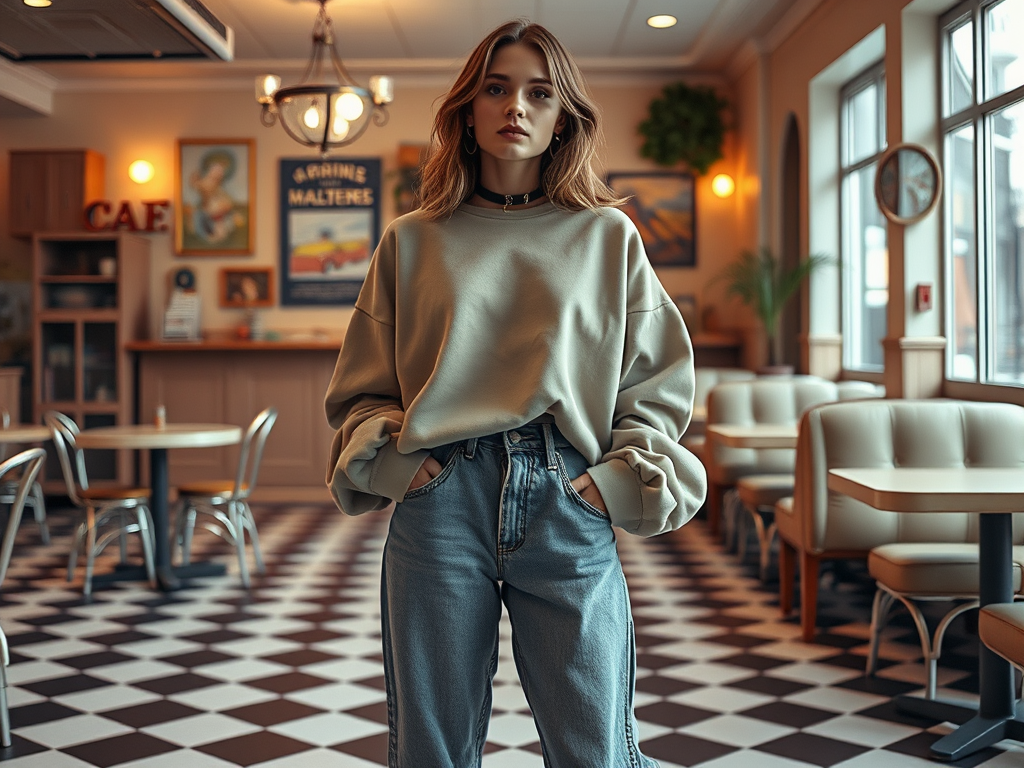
[(450, 174)]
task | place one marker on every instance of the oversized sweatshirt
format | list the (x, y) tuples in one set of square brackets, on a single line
[(482, 322)]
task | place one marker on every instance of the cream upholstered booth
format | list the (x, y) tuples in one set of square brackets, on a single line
[(773, 400), (816, 524), (706, 379)]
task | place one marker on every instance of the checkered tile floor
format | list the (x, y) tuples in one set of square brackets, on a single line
[(290, 676)]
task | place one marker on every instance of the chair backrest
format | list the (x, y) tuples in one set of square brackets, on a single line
[(252, 452), (29, 462), (858, 390), (887, 433), (767, 400), (63, 430), (706, 379)]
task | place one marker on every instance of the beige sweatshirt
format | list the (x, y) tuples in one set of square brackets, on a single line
[(482, 322)]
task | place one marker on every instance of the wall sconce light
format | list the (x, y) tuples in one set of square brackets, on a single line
[(37, 3), (141, 171), (723, 185)]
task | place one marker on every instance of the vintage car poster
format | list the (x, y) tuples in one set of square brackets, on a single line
[(330, 225)]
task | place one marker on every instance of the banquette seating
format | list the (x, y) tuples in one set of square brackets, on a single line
[(913, 556), (763, 400)]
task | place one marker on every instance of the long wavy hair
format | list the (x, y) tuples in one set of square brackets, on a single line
[(450, 174)]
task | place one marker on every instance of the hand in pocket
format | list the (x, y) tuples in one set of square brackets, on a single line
[(585, 487), (429, 469)]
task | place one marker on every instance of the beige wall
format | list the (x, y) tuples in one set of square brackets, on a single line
[(128, 125)]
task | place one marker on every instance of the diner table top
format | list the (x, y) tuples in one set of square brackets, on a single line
[(24, 433), (754, 435), (152, 436), (926, 489)]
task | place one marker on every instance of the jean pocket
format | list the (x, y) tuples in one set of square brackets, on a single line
[(574, 495), (448, 456)]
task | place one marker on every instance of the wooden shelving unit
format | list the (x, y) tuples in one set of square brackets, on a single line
[(90, 297)]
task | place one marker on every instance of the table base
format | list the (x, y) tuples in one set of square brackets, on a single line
[(973, 733), (168, 579)]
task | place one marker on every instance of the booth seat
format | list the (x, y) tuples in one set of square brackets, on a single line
[(817, 524), (764, 400), (706, 379)]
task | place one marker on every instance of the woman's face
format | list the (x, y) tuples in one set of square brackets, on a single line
[(516, 110)]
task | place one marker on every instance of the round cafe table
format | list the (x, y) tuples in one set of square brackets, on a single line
[(158, 440), (24, 433)]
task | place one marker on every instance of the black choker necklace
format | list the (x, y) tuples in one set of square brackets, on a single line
[(506, 200)]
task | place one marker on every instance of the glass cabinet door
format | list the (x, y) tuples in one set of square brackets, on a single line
[(99, 366), (58, 359)]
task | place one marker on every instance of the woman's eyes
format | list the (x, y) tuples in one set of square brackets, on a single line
[(497, 90)]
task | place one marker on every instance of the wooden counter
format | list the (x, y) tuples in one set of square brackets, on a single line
[(231, 387)]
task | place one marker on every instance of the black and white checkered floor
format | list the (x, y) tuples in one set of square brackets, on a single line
[(290, 675)]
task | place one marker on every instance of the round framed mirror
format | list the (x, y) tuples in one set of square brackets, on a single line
[(908, 183)]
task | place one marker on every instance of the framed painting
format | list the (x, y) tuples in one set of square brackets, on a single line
[(214, 196), (330, 225), (246, 287), (662, 205)]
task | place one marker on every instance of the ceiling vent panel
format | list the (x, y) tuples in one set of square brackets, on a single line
[(114, 29)]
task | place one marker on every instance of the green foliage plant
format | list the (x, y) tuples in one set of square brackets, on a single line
[(759, 279), (684, 124)]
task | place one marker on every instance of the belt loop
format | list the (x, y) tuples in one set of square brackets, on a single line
[(470, 448), (549, 445)]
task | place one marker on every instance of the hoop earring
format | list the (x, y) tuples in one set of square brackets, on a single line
[(555, 145), (469, 133)]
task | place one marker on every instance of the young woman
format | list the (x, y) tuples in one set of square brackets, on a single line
[(515, 377)]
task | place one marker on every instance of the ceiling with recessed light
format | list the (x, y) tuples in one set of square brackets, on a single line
[(411, 35)]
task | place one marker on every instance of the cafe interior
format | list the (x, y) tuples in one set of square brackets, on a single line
[(830, 191)]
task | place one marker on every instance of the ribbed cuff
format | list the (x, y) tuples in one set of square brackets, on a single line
[(393, 471), (617, 482)]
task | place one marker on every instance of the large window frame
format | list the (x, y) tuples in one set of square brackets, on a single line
[(971, 353), (853, 295)]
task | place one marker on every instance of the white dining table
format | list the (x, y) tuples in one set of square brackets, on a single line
[(158, 440), (996, 493), (753, 435)]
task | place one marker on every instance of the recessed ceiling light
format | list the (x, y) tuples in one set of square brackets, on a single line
[(662, 21), (37, 3)]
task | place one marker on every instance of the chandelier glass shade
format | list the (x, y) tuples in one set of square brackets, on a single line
[(320, 112)]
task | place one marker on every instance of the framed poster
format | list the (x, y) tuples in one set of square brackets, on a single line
[(330, 225), (663, 208), (214, 195), (246, 287)]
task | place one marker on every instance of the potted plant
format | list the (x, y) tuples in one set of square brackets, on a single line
[(759, 279), (684, 124)]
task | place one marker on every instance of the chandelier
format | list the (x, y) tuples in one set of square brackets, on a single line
[(324, 114)]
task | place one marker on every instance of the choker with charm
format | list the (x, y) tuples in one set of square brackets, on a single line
[(508, 200)]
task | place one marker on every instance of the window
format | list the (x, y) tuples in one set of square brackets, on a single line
[(864, 250), (983, 145)]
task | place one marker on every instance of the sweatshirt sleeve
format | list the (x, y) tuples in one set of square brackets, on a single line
[(364, 401), (649, 482)]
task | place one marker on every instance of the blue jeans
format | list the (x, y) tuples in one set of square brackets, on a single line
[(501, 523)]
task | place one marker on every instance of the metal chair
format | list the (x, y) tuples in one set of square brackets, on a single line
[(28, 464), (226, 501), (9, 488), (120, 510)]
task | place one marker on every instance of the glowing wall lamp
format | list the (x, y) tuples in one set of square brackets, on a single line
[(141, 171), (723, 185)]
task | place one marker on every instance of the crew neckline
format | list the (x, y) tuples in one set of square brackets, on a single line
[(510, 215)]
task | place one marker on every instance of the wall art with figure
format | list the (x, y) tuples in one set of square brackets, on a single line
[(214, 194)]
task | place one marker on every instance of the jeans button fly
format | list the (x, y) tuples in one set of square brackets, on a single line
[(514, 437)]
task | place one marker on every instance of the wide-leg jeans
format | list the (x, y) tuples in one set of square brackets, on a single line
[(502, 523)]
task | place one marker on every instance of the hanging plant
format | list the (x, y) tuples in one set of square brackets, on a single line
[(684, 124)]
